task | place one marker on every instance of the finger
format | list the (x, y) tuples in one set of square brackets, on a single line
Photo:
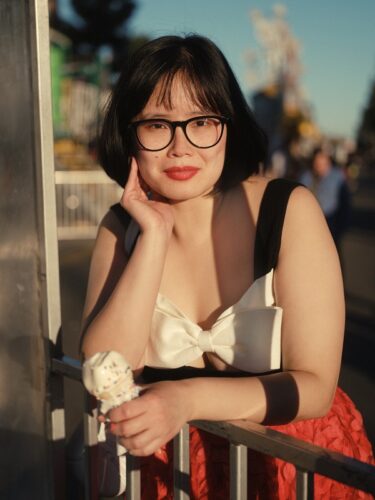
[(132, 190), (144, 452), (139, 440), (143, 444), (128, 410), (153, 447), (131, 427), (133, 166), (133, 174), (129, 183)]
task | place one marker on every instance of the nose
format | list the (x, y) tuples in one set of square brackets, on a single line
[(179, 146)]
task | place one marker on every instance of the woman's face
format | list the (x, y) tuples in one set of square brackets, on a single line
[(181, 171)]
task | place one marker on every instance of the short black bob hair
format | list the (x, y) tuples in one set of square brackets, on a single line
[(211, 84)]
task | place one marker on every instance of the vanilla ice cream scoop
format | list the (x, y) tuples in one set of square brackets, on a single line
[(109, 378)]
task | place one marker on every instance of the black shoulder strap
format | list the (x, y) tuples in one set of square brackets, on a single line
[(130, 227), (270, 224), (121, 214)]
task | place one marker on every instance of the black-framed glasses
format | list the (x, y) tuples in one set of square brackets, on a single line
[(156, 134)]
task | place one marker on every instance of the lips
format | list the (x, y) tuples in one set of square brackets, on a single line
[(181, 173)]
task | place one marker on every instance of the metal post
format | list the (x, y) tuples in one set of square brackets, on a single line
[(133, 478), (304, 485), (90, 431), (238, 472), (181, 465), (29, 285)]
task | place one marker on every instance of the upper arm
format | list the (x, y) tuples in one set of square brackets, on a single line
[(308, 287), (107, 264)]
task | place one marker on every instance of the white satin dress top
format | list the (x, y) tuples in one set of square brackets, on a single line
[(246, 336)]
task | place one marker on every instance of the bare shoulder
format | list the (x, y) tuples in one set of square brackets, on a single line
[(301, 204), (255, 185), (109, 244), (107, 263), (305, 218), (307, 252), (305, 229), (301, 198)]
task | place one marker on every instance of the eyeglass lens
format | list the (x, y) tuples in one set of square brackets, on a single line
[(202, 132)]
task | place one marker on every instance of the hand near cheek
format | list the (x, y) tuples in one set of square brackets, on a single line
[(151, 420), (149, 213)]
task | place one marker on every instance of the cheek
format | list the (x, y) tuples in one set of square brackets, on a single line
[(146, 161), (218, 158), (146, 166)]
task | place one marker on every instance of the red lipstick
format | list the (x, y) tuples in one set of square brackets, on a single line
[(181, 173)]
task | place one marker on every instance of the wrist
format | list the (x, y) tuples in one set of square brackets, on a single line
[(155, 237), (187, 389), (160, 229)]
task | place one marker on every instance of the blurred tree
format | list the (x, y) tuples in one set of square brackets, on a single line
[(102, 24), (366, 131)]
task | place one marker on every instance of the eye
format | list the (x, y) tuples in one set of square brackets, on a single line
[(201, 122), (205, 122), (156, 125)]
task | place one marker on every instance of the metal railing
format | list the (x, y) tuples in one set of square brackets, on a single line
[(307, 458), (82, 199)]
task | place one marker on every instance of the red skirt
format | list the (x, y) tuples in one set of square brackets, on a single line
[(340, 430)]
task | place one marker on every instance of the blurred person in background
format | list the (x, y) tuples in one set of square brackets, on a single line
[(328, 183)]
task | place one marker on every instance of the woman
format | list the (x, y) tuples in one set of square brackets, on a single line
[(193, 271)]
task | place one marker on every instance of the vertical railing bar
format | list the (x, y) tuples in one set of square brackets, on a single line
[(72, 223), (238, 471), (181, 465), (90, 429), (304, 485), (133, 478)]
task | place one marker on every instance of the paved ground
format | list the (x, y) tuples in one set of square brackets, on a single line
[(358, 369)]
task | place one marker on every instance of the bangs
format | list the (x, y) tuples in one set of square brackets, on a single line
[(198, 89)]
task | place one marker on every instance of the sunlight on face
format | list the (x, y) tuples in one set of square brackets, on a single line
[(181, 170)]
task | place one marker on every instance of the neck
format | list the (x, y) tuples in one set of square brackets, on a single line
[(195, 217)]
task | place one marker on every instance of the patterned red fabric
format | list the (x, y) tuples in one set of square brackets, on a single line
[(268, 478)]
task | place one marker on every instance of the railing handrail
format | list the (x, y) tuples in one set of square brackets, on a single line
[(303, 455), (94, 176)]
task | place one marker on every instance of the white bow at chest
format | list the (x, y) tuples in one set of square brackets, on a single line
[(246, 336)]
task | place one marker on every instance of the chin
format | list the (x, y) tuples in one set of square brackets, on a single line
[(186, 190), (185, 193)]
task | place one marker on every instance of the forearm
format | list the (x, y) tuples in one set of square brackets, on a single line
[(273, 399), (123, 323)]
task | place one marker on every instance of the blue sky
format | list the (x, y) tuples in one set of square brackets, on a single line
[(337, 38)]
